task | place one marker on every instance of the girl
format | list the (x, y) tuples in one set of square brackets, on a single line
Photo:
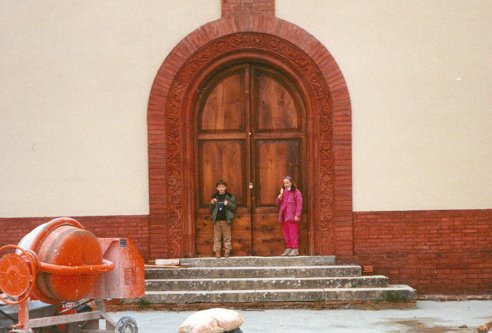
[(289, 215)]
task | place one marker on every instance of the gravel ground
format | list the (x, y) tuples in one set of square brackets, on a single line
[(427, 317)]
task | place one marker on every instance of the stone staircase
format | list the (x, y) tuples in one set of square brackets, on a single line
[(270, 282)]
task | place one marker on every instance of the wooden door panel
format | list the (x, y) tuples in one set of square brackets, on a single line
[(274, 160), (204, 233), (250, 129), (241, 233), (224, 106), (222, 159), (276, 108), (267, 235), (303, 233)]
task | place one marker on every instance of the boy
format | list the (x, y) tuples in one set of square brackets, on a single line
[(222, 205)]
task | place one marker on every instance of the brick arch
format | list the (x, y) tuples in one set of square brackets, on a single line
[(170, 134)]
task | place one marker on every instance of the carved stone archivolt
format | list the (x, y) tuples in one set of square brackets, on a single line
[(178, 109)]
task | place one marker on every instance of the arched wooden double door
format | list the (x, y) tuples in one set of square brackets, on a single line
[(250, 131)]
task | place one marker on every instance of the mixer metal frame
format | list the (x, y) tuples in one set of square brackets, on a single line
[(87, 321), (90, 320)]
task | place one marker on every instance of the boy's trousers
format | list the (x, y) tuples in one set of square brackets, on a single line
[(222, 230)]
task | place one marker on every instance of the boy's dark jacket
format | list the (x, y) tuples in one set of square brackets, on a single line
[(230, 208)]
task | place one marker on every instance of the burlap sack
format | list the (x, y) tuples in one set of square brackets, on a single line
[(216, 320)]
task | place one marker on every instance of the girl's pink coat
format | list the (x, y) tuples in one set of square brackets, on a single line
[(290, 205)]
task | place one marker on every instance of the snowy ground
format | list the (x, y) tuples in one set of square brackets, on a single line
[(428, 317)]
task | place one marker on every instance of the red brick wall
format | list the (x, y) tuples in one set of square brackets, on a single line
[(136, 228), (248, 7), (447, 252)]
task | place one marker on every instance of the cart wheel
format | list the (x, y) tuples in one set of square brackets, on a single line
[(126, 325)]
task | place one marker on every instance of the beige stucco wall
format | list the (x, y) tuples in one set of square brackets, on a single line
[(76, 75), (74, 86), (420, 78)]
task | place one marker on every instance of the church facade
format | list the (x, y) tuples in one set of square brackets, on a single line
[(123, 116)]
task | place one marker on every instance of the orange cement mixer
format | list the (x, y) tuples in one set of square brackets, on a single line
[(60, 261)]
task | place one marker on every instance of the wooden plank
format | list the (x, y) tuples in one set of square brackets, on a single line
[(167, 262)]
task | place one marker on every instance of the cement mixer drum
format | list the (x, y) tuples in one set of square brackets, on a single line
[(62, 244)]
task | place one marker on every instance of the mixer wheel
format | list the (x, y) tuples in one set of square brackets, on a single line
[(17, 272), (14, 275), (126, 325)]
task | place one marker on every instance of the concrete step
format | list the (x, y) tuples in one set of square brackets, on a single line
[(253, 272), (259, 261), (376, 281), (255, 282), (391, 293)]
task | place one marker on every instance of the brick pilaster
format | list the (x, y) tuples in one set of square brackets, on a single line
[(248, 7)]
